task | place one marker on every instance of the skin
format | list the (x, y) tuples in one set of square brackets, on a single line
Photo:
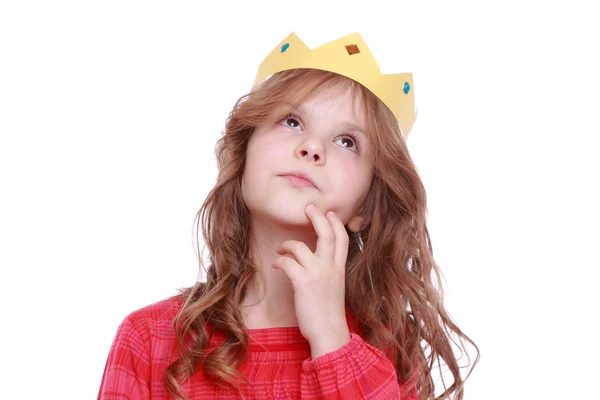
[(300, 249)]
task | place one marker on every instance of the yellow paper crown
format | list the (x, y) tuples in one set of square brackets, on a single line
[(348, 56)]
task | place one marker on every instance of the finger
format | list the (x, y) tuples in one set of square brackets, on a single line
[(325, 235), (341, 239), (289, 266), (299, 250)]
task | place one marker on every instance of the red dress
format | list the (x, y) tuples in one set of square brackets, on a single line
[(278, 364)]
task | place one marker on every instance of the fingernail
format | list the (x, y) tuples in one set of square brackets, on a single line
[(331, 213)]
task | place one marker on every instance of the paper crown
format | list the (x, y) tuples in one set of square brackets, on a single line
[(348, 56)]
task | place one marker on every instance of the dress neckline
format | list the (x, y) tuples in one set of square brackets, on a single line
[(286, 338), (277, 339)]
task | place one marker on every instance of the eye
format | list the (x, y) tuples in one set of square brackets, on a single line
[(349, 141), (290, 121)]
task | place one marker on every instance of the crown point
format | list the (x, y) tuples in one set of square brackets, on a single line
[(406, 87), (285, 47), (352, 49)]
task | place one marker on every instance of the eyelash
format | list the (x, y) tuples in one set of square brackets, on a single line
[(348, 134)]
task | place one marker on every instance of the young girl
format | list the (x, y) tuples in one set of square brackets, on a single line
[(319, 283)]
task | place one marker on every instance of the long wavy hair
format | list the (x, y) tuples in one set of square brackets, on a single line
[(393, 285)]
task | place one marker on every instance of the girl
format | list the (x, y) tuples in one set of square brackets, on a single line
[(319, 283)]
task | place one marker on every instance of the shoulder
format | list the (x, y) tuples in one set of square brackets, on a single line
[(143, 344), (157, 312), (154, 320)]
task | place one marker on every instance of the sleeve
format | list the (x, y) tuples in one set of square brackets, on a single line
[(127, 371), (356, 370)]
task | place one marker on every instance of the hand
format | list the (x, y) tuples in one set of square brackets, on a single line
[(318, 280)]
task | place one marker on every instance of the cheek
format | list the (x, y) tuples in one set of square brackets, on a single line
[(354, 177), (264, 154), (351, 187), (262, 159)]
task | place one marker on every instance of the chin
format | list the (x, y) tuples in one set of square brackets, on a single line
[(292, 216), (289, 214), (281, 206)]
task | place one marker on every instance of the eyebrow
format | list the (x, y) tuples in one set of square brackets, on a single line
[(347, 125), (355, 128)]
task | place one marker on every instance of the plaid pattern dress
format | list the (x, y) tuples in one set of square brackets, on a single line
[(278, 364)]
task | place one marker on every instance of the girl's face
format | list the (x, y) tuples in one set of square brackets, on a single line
[(325, 139)]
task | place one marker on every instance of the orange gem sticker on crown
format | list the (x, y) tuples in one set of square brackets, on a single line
[(396, 91), (352, 49)]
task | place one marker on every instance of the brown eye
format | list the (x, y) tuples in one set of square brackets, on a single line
[(290, 121), (349, 142)]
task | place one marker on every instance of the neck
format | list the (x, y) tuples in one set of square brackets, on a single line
[(269, 298)]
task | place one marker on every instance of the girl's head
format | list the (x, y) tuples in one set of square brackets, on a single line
[(315, 125), (350, 144), (318, 123)]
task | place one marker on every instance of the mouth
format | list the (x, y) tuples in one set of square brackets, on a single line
[(299, 179)]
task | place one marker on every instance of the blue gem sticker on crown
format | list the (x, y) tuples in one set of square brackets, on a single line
[(406, 87), (285, 47)]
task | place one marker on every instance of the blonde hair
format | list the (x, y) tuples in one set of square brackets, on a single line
[(393, 285)]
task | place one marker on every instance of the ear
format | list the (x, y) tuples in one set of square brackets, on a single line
[(357, 223)]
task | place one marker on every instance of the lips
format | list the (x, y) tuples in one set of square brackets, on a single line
[(299, 178)]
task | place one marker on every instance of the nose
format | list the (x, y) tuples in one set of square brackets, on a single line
[(311, 149)]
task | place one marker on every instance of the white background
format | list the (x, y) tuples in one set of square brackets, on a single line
[(109, 112)]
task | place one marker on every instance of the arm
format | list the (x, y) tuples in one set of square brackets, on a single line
[(127, 371), (356, 370)]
